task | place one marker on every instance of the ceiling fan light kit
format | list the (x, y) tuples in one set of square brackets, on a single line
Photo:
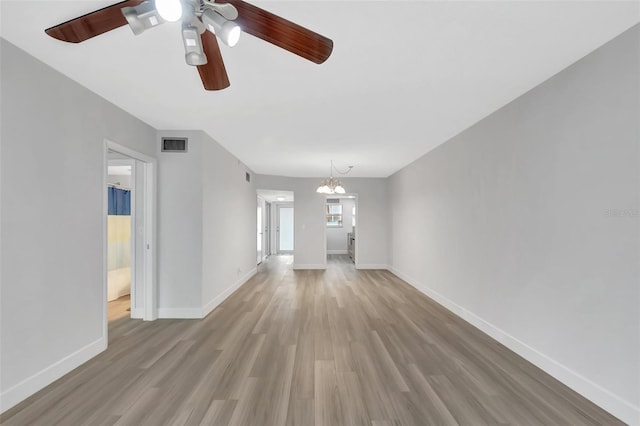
[(142, 17), (226, 30), (170, 10), (225, 19), (194, 53)]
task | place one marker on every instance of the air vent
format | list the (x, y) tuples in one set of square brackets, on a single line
[(174, 144), (247, 176), (333, 200)]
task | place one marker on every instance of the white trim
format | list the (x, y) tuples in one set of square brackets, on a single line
[(216, 301), (150, 305), (105, 242), (310, 266), (180, 313), (196, 313), (373, 266), (39, 380), (600, 396), (149, 293), (337, 252), (137, 313)]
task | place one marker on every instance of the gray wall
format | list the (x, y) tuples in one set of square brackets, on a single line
[(229, 224), (51, 222), (206, 226), (180, 228), (52, 134), (309, 217), (527, 225)]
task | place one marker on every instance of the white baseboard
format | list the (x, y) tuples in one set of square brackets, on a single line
[(196, 313), (600, 396), (309, 266), (206, 309), (137, 313), (371, 266), (337, 252), (180, 313), (34, 383)]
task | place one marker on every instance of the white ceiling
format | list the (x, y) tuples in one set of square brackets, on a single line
[(273, 196), (404, 76)]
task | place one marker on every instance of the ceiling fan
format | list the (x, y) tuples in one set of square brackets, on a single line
[(202, 21)]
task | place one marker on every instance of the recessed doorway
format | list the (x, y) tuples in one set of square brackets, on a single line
[(120, 246), (277, 221), (340, 228), (129, 234)]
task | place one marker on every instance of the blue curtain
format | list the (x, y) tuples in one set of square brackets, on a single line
[(119, 201)]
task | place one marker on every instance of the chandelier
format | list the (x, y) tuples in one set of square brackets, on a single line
[(332, 185)]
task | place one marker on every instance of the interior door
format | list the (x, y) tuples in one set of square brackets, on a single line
[(285, 229), (259, 242), (266, 236)]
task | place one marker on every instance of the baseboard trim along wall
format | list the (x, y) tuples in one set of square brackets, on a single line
[(600, 396), (199, 313), (36, 382), (372, 266), (179, 313), (206, 309), (309, 266)]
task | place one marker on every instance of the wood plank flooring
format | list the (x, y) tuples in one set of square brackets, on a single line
[(303, 348), (119, 308)]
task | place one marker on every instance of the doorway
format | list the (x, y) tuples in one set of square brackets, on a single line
[(276, 232), (260, 238), (120, 211), (340, 228), (285, 229), (129, 233), (267, 229)]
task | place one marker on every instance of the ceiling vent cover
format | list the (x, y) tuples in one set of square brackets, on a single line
[(174, 144), (333, 200)]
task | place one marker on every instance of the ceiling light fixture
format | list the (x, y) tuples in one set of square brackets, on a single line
[(226, 30), (280, 198), (169, 10), (194, 54), (207, 15), (332, 185), (142, 17)]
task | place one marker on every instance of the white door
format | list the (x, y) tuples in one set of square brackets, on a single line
[(266, 226), (259, 245), (285, 229)]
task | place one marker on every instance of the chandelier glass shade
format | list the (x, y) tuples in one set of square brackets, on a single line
[(332, 185)]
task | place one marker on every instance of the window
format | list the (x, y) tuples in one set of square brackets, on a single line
[(334, 215)]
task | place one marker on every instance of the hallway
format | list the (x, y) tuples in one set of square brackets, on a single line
[(334, 347)]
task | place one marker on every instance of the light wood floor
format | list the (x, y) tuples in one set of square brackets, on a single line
[(304, 348), (119, 308)]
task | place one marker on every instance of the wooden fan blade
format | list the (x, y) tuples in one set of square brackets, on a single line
[(213, 73), (285, 34), (92, 24)]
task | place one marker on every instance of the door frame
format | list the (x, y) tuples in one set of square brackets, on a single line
[(324, 227), (148, 187), (267, 229), (278, 207), (132, 240), (260, 204)]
